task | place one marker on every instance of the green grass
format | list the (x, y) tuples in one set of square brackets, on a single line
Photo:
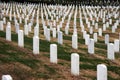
[(13, 55), (80, 40), (41, 75), (63, 53), (21, 73), (67, 38), (50, 69), (102, 46), (117, 55), (101, 52), (114, 69), (84, 49), (44, 45), (87, 66), (101, 41)]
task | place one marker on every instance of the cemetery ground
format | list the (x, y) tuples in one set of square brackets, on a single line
[(22, 64)]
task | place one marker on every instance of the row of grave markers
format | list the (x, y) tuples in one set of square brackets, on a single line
[(74, 57), (111, 47), (55, 14), (75, 70), (27, 28)]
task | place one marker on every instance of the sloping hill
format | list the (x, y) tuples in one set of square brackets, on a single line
[(21, 64)]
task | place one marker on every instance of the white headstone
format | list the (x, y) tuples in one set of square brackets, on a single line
[(60, 37), (103, 20), (97, 19), (1, 26), (58, 28), (101, 72), (87, 37), (26, 29), (20, 38), (100, 32), (107, 24), (36, 31), (35, 45), (54, 32), (106, 39), (88, 25), (48, 34), (113, 29), (17, 27), (116, 45), (84, 34), (25, 21), (91, 30), (82, 28), (110, 21), (45, 29), (8, 32), (91, 46), (66, 30), (110, 51), (96, 25), (30, 27), (104, 27), (53, 53), (4, 20), (74, 42), (95, 37), (6, 77), (75, 31), (75, 64), (93, 22)]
